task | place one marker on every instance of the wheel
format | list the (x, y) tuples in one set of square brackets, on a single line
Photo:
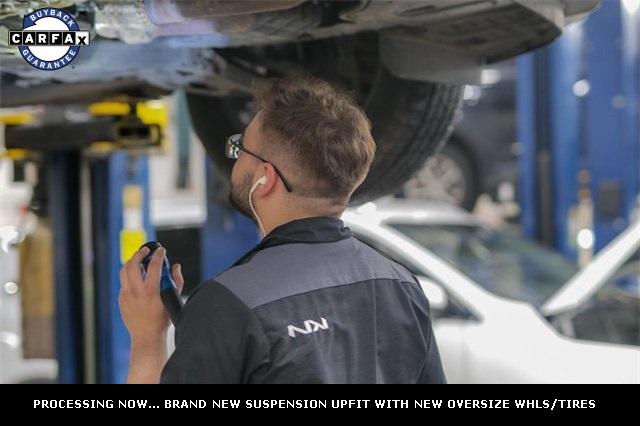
[(449, 176), (410, 120)]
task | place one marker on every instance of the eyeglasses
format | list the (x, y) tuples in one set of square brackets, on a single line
[(233, 148)]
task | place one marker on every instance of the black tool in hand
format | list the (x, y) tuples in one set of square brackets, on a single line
[(168, 291)]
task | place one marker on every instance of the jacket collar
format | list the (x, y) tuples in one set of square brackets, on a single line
[(308, 230)]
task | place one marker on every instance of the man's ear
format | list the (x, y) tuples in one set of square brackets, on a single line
[(268, 176)]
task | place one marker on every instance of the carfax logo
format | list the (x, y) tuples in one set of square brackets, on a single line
[(50, 39)]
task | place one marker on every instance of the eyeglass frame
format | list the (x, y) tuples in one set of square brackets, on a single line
[(235, 142)]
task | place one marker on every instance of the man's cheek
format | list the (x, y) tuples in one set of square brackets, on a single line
[(234, 172)]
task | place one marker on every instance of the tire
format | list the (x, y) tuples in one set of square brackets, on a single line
[(460, 186), (410, 120)]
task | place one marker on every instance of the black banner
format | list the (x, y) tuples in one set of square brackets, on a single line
[(520, 400)]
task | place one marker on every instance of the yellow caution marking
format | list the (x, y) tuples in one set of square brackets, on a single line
[(16, 118), (109, 108), (153, 112), (130, 242), (15, 154)]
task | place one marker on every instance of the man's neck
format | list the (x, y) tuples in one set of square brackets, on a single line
[(282, 217), (271, 225)]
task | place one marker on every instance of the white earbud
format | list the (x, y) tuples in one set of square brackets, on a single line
[(259, 182)]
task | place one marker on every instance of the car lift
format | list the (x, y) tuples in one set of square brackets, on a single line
[(578, 127), (94, 179), (93, 174)]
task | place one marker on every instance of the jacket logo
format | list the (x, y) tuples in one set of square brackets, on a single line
[(310, 326)]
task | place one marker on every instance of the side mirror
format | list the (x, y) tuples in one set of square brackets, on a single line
[(434, 292)]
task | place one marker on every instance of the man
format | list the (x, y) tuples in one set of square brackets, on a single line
[(310, 303)]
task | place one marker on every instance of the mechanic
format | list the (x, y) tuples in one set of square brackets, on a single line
[(310, 303)]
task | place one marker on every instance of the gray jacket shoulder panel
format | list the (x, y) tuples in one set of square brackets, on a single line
[(290, 269)]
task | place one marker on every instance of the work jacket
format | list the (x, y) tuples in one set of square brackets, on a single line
[(309, 304)]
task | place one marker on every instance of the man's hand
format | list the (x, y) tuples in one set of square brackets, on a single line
[(140, 305), (144, 314)]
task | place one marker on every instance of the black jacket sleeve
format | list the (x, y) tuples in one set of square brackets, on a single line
[(432, 370), (218, 340)]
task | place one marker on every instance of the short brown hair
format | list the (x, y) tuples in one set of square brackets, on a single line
[(321, 131)]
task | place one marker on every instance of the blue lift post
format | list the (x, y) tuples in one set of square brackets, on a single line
[(562, 133), (527, 136), (612, 116), (226, 234), (109, 178), (548, 130)]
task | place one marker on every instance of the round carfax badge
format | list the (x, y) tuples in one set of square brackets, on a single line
[(50, 39)]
